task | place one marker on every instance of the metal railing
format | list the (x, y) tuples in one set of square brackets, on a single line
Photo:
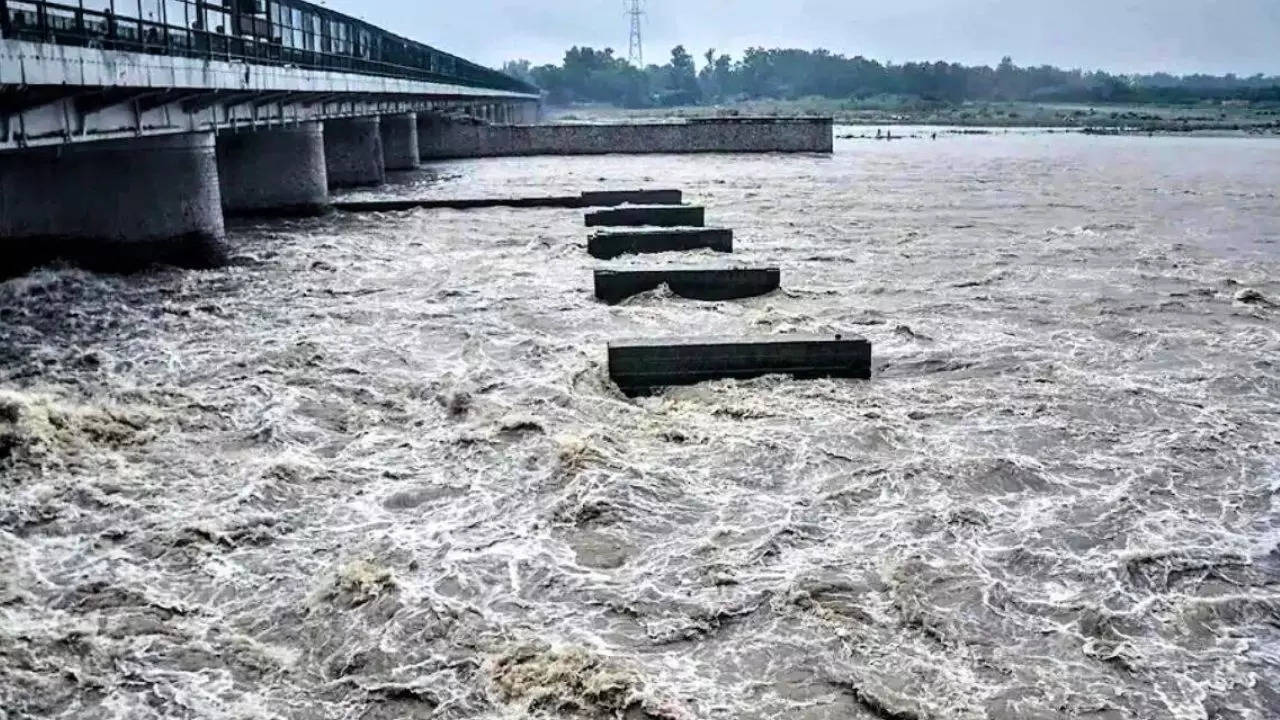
[(277, 32)]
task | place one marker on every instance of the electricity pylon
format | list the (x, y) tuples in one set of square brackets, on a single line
[(635, 9)]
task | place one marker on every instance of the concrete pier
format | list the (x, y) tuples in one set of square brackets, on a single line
[(640, 367), (614, 286), (114, 205), (353, 152), (400, 141), (606, 244), (274, 172), (648, 215)]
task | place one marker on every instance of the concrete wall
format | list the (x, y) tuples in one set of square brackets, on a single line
[(440, 137)]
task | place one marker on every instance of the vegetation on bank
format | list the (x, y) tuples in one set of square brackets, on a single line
[(861, 91)]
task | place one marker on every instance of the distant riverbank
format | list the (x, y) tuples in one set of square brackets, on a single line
[(1221, 119)]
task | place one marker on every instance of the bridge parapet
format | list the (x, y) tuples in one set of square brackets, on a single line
[(69, 74), (289, 33)]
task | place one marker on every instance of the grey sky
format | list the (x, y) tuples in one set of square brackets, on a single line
[(1181, 36)]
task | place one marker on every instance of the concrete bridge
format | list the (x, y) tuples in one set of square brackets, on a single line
[(128, 126)]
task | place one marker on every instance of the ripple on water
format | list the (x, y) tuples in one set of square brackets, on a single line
[(376, 469)]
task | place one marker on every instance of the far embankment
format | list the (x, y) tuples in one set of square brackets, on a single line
[(1218, 117)]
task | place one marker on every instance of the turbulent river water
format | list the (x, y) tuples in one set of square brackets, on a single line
[(377, 470)]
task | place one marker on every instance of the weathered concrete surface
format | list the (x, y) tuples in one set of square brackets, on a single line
[(608, 244), (279, 171), (446, 138), (400, 141), (614, 286), (652, 215), (605, 198), (642, 366), (353, 152), (113, 205)]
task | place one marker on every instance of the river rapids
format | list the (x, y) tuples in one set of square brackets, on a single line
[(376, 470)]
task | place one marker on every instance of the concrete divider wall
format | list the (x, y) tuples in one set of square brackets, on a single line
[(445, 138)]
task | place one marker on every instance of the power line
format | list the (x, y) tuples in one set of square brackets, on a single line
[(635, 9)]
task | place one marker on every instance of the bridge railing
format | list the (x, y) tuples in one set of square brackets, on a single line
[(277, 32)]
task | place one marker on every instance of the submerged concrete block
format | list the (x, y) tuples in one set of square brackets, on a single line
[(613, 286), (613, 198), (113, 205), (353, 152), (640, 367), (606, 244), (280, 171), (655, 215)]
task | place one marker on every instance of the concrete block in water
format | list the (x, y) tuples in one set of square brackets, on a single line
[(607, 244), (640, 367), (613, 286), (655, 215), (613, 198)]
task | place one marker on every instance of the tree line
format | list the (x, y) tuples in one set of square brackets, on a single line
[(598, 76)]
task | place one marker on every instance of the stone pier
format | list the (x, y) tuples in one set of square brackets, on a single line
[(353, 152), (113, 205), (280, 171), (400, 141)]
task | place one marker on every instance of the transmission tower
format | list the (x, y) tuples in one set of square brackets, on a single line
[(635, 9)]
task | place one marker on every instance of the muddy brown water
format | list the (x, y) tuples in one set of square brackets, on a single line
[(377, 469)]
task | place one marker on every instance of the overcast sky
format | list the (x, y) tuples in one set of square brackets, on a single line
[(1180, 36)]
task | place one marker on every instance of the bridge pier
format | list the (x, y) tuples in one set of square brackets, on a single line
[(523, 113), (280, 171), (353, 152), (112, 205), (400, 141)]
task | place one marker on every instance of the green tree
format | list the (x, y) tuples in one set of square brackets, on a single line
[(589, 75), (682, 79)]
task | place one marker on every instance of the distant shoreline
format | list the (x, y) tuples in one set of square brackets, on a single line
[(1095, 119)]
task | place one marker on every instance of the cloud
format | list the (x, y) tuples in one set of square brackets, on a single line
[(1182, 36)]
